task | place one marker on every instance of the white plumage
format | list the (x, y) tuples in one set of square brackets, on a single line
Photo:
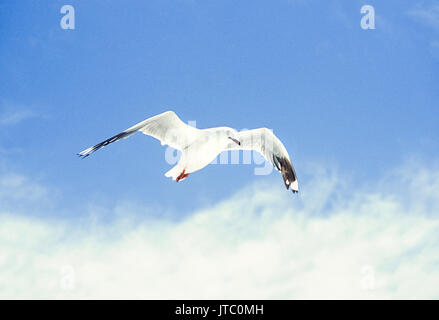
[(200, 146)]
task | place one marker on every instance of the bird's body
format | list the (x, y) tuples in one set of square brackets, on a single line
[(205, 148), (200, 146)]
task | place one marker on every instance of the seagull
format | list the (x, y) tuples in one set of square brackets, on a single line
[(199, 147)]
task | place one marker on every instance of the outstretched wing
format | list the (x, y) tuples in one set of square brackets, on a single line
[(266, 143), (166, 127)]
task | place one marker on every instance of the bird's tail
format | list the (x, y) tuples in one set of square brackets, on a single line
[(174, 172)]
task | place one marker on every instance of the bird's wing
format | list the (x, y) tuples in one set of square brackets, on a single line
[(166, 127), (266, 143)]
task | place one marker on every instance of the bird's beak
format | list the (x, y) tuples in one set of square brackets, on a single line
[(235, 141)]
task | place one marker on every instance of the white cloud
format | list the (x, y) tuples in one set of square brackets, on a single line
[(15, 117), (18, 187), (429, 15), (19, 193), (333, 241), (14, 113)]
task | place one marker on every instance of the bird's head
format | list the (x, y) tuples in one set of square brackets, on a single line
[(235, 140), (225, 138), (232, 135)]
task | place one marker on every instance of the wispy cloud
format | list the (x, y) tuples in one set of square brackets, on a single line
[(337, 240), (12, 113), (19, 187), (14, 117), (428, 15), (20, 194)]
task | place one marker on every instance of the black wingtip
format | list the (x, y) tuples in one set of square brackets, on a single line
[(82, 156), (287, 170), (102, 144)]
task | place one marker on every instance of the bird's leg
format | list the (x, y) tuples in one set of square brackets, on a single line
[(182, 175)]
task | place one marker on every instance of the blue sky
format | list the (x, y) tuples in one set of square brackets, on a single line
[(330, 90), (361, 102)]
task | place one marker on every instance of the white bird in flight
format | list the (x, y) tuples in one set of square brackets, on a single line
[(199, 147)]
